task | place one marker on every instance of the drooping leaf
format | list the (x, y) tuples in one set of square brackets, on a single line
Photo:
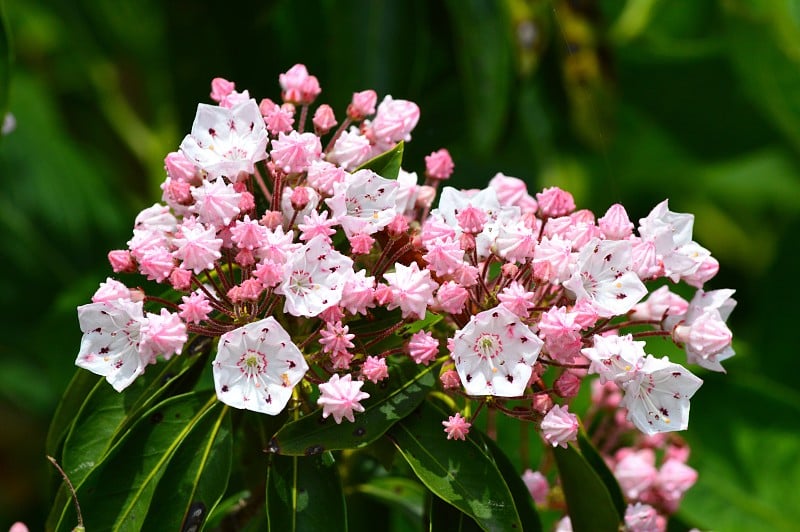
[(196, 477), (106, 414), (390, 401), (119, 490), (522, 497), (398, 492), (387, 164), (589, 504), (305, 493), (601, 468), (463, 473)]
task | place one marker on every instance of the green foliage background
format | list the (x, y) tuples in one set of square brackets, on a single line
[(617, 101)]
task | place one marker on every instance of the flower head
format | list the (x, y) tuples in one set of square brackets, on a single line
[(341, 396)]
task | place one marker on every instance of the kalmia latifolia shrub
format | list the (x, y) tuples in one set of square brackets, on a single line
[(300, 320)]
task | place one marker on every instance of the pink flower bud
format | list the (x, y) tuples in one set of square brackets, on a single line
[(542, 403), (298, 86), (423, 347), (537, 485), (616, 225), (177, 192), (383, 294), (180, 279), (121, 261), (456, 427), (509, 269), (374, 369), (554, 202), (332, 315), (643, 518), (707, 270), (111, 290), (707, 335), (324, 120), (451, 297), (450, 380), (361, 244), (220, 88), (299, 198), (180, 168), (245, 257), (398, 226), (636, 472), (567, 385), (362, 105), (439, 165), (425, 197), (272, 219), (559, 426), (472, 219)]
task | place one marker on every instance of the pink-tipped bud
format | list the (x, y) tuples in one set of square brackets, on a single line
[(374, 369), (177, 191), (425, 197), (265, 106), (137, 295), (398, 226), (560, 426), (383, 295), (299, 198), (361, 244), (554, 202), (179, 167), (439, 165), (466, 242), (362, 105), (272, 219), (472, 219), (451, 297), (245, 257), (616, 225), (423, 347), (643, 518), (450, 380), (509, 270), (121, 261), (542, 403), (220, 88), (567, 385), (298, 86), (332, 315), (180, 279), (537, 485), (707, 335), (707, 270), (324, 119)]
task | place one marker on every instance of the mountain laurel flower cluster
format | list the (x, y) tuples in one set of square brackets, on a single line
[(291, 237)]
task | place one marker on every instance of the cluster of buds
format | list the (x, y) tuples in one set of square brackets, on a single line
[(281, 243)]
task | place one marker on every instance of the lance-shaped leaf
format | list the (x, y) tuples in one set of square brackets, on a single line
[(196, 477), (387, 164), (390, 401), (106, 414), (305, 493), (117, 493), (590, 506), (601, 468), (463, 473), (79, 388), (444, 516)]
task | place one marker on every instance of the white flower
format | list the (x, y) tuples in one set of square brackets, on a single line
[(314, 277), (110, 343), (257, 366), (224, 141), (364, 202), (702, 329), (494, 353), (602, 276)]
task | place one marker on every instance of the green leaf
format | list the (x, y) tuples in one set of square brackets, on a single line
[(590, 506), (106, 414), (305, 493), (390, 401), (82, 383), (387, 164), (399, 492), (444, 516), (485, 61), (522, 497), (463, 473), (601, 468), (196, 477), (118, 492)]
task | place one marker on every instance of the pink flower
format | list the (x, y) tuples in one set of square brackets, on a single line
[(323, 120), (517, 299), (362, 105), (248, 234), (411, 289), (636, 472), (374, 369), (659, 304), (257, 366), (278, 118), (643, 518), (323, 176), (361, 243), (111, 290), (335, 337), (559, 426), (451, 297), (359, 293), (364, 202), (294, 152), (341, 397), (350, 150), (554, 202), (537, 485), (315, 224), (121, 261), (197, 246), (494, 353), (567, 385), (394, 121), (439, 165), (220, 88), (444, 256), (450, 380), (298, 86), (162, 334), (616, 225), (702, 329), (216, 202), (423, 347), (195, 307), (512, 191), (456, 427)]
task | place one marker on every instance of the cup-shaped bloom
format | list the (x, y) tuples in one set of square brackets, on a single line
[(364, 202), (111, 338), (494, 353), (257, 366)]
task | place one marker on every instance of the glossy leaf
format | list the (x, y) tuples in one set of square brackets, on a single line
[(305, 493), (106, 414), (463, 473), (444, 516), (118, 492), (601, 468), (82, 383), (387, 164), (522, 497), (389, 402), (197, 475), (589, 504), (399, 492)]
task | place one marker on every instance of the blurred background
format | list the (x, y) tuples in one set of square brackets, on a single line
[(617, 101)]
